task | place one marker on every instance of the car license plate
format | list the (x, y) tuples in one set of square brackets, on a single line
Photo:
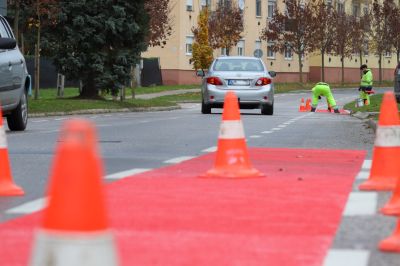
[(238, 82)]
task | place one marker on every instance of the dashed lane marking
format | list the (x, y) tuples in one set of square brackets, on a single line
[(28, 207), (345, 257), (363, 175), (211, 149), (267, 132), (282, 126), (361, 204), (255, 137), (276, 129), (124, 174), (179, 159)]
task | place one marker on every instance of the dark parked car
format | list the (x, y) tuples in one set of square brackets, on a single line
[(397, 83), (14, 80)]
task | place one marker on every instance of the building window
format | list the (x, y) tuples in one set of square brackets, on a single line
[(356, 10), (258, 8), (340, 8), (288, 53), (388, 54), (189, 5), (189, 44), (205, 3), (365, 10), (240, 47), (270, 50), (271, 8), (329, 3), (223, 51)]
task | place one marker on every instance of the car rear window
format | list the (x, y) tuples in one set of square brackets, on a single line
[(238, 65)]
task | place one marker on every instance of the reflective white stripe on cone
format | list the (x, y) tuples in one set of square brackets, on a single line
[(74, 249), (387, 136), (231, 129)]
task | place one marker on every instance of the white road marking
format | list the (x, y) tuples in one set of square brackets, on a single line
[(255, 137), (346, 257), (179, 159), (127, 173), (29, 207), (361, 203), (39, 121), (267, 132), (367, 164), (61, 118), (39, 204), (211, 149), (276, 129), (363, 175), (288, 123), (282, 126)]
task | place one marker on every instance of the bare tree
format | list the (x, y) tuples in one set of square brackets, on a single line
[(380, 32), (292, 30), (342, 33), (359, 36), (324, 17), (225, 26), (394, 20), (160, 24)]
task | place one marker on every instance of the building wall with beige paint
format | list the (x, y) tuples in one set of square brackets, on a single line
[(175, 55)]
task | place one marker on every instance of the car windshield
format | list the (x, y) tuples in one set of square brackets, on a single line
[(238, 65)]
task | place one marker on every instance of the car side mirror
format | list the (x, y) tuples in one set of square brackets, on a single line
[(200, 73), (272, 74), (7, 43)]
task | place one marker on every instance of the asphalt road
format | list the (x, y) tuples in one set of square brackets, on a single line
[(154, 139)]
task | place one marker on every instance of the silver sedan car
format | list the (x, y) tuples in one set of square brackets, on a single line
[(246, 76)]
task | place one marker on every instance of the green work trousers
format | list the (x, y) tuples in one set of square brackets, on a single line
[(323, 90)]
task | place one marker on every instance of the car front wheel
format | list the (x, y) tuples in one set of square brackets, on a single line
[(267, 109), (18, 119)]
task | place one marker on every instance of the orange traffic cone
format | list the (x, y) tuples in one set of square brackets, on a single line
[(302, 107), (75, 228), (7, 186), (308, 105), (392, 243), (232, 159), (385, 168), (392, 207)]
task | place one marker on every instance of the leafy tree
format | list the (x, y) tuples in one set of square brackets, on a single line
[(225, 26), (97, 41), (293, 30), (342, 37), (160, 22), (324, 16), (202, 51), (381, 29)]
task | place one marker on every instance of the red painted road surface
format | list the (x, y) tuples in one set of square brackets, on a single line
[(170, 217)]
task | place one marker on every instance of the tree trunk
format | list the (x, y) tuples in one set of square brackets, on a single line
[(37, 65), (380, 68), (361, 58), (342, 59), (227, 50), (16, 20), (300, 68), (397, 54), (323, 65), (89, 90)]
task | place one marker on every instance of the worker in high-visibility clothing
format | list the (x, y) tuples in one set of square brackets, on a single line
[(365, 84), (323, 89)]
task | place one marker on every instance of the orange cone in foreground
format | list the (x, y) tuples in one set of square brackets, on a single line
[(302, 107), (232, 159), (75, 228), (392, 243), (7, 186), (392, 207), (385, 168)]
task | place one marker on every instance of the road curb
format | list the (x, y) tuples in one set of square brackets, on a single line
[(365, 117), (105, 111)]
